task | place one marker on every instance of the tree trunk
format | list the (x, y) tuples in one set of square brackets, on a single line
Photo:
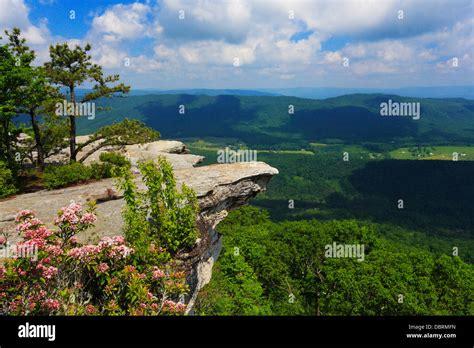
[(72, 129), (39, 144), (6, 142)]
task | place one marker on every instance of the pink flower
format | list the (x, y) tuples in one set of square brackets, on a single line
[(120, 251), (118, 239), (31, 306), (3, 240), (85, 253), (39, 232), (69, 215), (51, 304), (2, 271), (30, 245), (88, 218), (29, 224), (106, 242), (24, 214), (157, 273), (173, 307), (90, 309), (53, 250), (49, 272), (102, 267), (180, 307)]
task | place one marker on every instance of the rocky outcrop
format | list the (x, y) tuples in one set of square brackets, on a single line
[(173, 150), (219, 189)]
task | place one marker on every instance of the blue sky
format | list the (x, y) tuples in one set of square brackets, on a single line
[(260, 43)]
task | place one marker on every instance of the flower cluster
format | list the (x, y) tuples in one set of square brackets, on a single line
[(69, 278), (173, 307), (112, 247), (85, 253), (72, 220), (47, 272), (54, 250), (51, 305), (102, 267), (157, 273), (23, 215), (35, 235), (69, 214)]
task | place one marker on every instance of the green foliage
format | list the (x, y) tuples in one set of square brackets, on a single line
[(70, 68), (101, 170), (110, 162), (126, 132), (234, 290), (15, 59), (263, 122), (288, 259), (437, 212), (160, 216), (7, 183), (64, 175), (115, 158)]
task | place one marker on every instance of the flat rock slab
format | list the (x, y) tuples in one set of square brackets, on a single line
[(214, 180)]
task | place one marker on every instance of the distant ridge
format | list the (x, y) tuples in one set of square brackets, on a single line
[(197, 91), (466, 92), (265, 121)]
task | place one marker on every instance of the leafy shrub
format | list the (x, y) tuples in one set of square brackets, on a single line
[(161, 215), (60, 176), (64, 175), (101, 170), (7, 186), (109, 162), (115, 158), (65, 277)]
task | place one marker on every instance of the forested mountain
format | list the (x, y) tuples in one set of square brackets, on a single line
[(266, 122), (421, 92)]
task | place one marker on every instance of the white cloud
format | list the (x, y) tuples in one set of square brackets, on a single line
[(214, 33), (15, 13), (217, 53), (108, 56), (162, 51), (121, 22)]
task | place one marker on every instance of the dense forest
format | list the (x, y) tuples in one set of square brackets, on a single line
[(273, 256), (270, 268), (267, 122)]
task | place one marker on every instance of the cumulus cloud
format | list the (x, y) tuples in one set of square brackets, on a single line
[(15, 13), (276, 41), (121, 22)]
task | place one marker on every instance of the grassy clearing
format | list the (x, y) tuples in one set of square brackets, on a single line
[(465, 153)]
